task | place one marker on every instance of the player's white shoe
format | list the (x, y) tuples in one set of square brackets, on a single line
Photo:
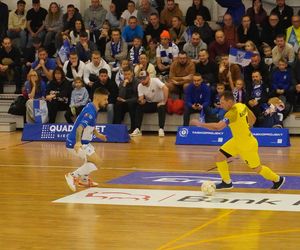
[(71, 181)]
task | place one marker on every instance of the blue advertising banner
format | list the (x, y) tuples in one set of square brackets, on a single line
[(58, 132), (266, 137)]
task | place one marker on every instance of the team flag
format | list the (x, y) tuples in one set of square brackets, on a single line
[(240, 57), (293, 40)]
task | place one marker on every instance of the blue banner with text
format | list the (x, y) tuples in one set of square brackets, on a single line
[(266, 137), (58, 132)]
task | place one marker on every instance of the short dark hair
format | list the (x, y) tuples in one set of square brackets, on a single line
[(227, 95), (280, 36), (103, 71), (21, 2), (127, 69), (83, 34), (101, 91), (70, 6)]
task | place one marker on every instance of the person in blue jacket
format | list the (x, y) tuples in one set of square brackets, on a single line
[(236, 9)]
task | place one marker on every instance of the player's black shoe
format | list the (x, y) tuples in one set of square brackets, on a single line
[(224, 185), (277, 185)]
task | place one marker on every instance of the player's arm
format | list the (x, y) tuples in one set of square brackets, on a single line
[(79, 132), (211, 126), (251, 118), (99, 135)]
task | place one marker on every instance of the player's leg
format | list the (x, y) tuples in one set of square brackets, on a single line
[(226, 151)]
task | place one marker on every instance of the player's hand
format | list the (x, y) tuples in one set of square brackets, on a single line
[(102, 137), (77, 146)]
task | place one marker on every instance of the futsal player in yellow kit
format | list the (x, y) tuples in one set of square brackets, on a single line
[(239, 119)]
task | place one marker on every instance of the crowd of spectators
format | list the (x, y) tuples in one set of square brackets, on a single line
[(148, 51)]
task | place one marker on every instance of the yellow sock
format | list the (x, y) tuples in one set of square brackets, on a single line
[(268, 174), (223, 170)]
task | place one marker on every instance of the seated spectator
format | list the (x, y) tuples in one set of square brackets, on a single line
[(130, 11), (230, 30), (121, 5), (112, 16), (239, 91), (76, 30), (154, 28), (178, 32), (196, 8), (120, 74), (267, 57), (93, 17), (35, 88), (207, 69), (132, 30), (284, 12), (247, 31), (181, 73), (202, 27), (151, 51), (69, 19), (282, 50), (270, 30), (58, 94), (166, 53), (136, 50), (73, 68), (91, 70), (158, 5), (17, 24), (85, 47), (228, 74), (197, 97), (127, 99), (236, 9), (218, 47), (35, 22), (44, 65), (144, 11), (250, 47), (257, 13), (296, 81), (171, 10), (144, 65), (53, 26), (152, 97), (293, 33), (215, 113), (104, 81), (104, 38), (116, 49), (79, 98), (10, 65), (193, 47)]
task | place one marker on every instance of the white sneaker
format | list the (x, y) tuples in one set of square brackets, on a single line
[(71, 181), (161, 132), (136, 132)]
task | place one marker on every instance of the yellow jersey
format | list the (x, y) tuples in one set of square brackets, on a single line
[(237, 120)]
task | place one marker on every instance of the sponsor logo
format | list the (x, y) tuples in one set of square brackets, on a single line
[(183, 132), (179, 198)]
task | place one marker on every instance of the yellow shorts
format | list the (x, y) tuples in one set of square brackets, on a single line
[(247, 150)]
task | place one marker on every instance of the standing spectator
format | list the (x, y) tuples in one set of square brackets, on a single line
[(236, 9), (257, 13), (94, 16), (44, 65), (79, 98), (112, 16), (35, 22), (130, 11), (53, 25), (196, 8), (166, 53), (282, 50), (181, 73), (17, 24), (230, 30), (58, 94), (116, 50), (104, 81), (85, 47), (270, 30), (154, 28), (127, 99), (144, 65), (10, 65), (193, 47), (171, 10), (197, 98), (207, 69), (132, 30), (136, 50), (218, 47), (76, 30), (293, 33), (152, 97), (178, 32), (3, 19), (284, 12), (228, 73), (247, 31), (73, 68), (144, 12)]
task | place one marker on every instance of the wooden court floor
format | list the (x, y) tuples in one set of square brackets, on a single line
[(33, 176)]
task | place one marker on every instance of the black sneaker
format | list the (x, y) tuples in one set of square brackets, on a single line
[(224, 185), (277, 185)]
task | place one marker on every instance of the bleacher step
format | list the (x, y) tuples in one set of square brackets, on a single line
[(8, 118), (7, 126)]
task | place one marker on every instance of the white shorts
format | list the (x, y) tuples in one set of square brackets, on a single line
[(83, 152)]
